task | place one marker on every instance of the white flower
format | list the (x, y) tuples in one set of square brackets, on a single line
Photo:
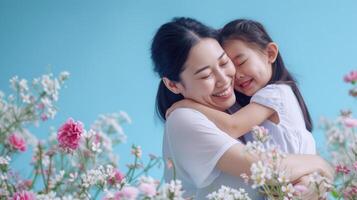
[(73, 177), (260, 133), (125, 117), (63, 76), (5, 160), (96, 147), (260, 174), (226, 193), (13, 82), (49, 196), (282, 178), (172, 189), (288, 190)]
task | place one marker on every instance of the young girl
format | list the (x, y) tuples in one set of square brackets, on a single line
[(264, 87)]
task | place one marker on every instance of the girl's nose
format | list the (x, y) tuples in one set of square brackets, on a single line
[(239, 75)]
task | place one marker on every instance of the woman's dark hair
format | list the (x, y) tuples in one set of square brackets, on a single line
[(254, 33), (169, 51)]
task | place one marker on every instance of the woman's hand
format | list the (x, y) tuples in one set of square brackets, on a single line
[(301, 165), (185, 103)]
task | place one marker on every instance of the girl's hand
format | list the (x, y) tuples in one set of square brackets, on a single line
[(185, 103), (300, 165)]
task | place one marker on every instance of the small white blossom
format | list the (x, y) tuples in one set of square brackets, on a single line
[(5, 160)]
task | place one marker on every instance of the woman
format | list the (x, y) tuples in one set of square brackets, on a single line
[(193, 65)]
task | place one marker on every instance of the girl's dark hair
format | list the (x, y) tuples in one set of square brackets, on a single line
[(169, 51), (254, 33)]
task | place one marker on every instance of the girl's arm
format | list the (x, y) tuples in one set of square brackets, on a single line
[(236, 160), (236, 124)]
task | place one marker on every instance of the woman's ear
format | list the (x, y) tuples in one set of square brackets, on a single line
[(173, 86), (272, 51)]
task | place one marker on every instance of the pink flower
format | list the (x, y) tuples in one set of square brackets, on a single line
[(116, 177), (17, 142), (351, 77), (136, 150), (69, 134), (148, 189), (44, 117), (127, 193), (342, 169), (350, 122), (169, 163), (300, 188), (24, 195)]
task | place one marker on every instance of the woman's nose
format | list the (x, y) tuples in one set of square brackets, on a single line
[(222, 79)]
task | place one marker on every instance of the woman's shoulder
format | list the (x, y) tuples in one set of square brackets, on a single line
[(184, 114), (187, 118)]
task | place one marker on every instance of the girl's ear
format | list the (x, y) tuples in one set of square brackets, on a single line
[(272, 50), (173, 86)]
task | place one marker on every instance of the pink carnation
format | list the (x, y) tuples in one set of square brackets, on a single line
[(69, 134), (342, 169), (148, 189), (17, 142), (116, 177), (351, 77), (128, 193), (24, 195)]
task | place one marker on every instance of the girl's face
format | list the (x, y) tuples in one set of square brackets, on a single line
[(253, 67), (208, 76)]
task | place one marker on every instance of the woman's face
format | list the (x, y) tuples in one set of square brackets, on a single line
[(253, 67), (208, 76)]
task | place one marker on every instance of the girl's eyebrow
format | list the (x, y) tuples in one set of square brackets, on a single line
[(238, 56), (205, 67)]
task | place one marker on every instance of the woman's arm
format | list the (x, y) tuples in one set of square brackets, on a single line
[(236, 124), (236, 160)]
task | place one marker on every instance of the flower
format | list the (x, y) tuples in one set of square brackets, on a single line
[(260, 133), (342, 169), (136, 150), (127, 193), (148, 189), (116, 177), (351, 77), (350, 122), (17, 142), (228, 193), (69, 134), (24, 195)]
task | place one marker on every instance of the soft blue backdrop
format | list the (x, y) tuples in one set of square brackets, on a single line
[(105, 46)]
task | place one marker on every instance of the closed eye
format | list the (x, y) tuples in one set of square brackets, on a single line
[(206, 77), (242, 62)]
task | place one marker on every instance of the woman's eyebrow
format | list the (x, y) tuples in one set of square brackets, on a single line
[(200, 70), (205, 67)]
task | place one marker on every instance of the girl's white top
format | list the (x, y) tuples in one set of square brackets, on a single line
[(290, 134), (195, 144)]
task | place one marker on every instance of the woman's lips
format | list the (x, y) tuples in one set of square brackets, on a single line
[(225, 93)]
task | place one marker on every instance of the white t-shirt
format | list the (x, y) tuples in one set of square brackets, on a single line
[(195, 144), (290, 134)]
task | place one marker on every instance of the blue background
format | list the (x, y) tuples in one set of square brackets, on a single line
[(105, 46)]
